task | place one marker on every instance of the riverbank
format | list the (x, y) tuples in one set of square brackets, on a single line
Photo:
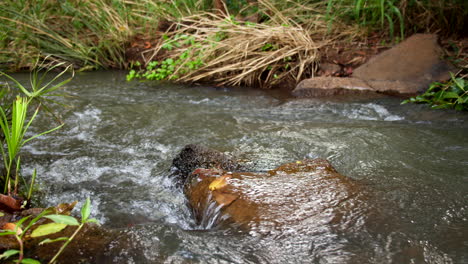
[(264, 43), (101, 35)]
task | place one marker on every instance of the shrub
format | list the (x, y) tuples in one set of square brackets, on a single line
[(452, 94)]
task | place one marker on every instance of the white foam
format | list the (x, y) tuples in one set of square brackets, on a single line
[(369, 111), (199, 102)]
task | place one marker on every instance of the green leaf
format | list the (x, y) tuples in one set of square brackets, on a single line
[(7, 233), (9, 253), (48, 240), (1, 214), (47, 229), (39, 216), (85, 210), (449, 95), (21, 221), (92, 220), (63, 219), (30, 261)]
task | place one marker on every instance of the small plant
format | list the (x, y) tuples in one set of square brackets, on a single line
[(59, 222), (453, 94), (14, 124), (268, 47), (171, 68), (14, 132)]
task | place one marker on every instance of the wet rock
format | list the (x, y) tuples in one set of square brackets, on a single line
[(407, 68), (330, 86), (93, 244), (193, 156), (286, 197), (5, 218)]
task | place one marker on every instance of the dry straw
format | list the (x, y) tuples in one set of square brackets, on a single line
[(242, 53)]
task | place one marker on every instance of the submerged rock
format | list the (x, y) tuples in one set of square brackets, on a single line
[(283, 196), (194, 156), (93, 244), (330, 86), (286, 197)]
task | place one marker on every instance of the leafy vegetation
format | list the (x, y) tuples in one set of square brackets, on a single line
[(40, 228), (169, 68), (452, 94)]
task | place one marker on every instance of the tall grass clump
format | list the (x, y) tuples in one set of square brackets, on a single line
[(90, 34), (16, 118), (214, 48), (395, 18)]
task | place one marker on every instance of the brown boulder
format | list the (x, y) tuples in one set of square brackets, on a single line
[(93, 244), (294, 193), (407, 68), (330, 86), (195, 156)]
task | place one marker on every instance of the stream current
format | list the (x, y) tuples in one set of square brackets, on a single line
[(120, 138)]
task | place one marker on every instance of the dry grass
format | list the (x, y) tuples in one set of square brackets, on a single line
[(238, 53), (253, 55)]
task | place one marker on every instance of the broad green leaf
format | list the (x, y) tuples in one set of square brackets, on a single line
[(449, 95), (47, 229), (30, 261), (39, 216), (1, 214), (9, 253), (48, 240), (85, 210), (63, 219)]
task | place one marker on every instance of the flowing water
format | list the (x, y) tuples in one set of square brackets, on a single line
[(120, 138)]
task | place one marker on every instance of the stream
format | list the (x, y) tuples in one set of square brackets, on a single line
[(120, 138)]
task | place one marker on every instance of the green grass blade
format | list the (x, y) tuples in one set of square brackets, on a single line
[(21, 87), (390, 25)]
